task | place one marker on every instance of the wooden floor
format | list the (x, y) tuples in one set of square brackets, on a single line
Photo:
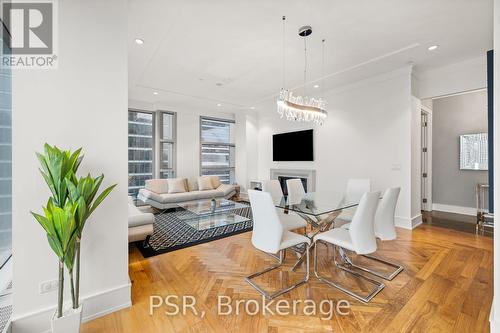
[(459, 222), (446, 287)]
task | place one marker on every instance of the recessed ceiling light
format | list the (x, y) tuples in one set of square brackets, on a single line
[(218, 104), (139, 41), (252, 108), (432, 48), (316, 86), (155, 93)]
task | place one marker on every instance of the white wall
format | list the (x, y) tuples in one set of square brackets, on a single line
[(416, 160), (246, 150), (454, 78), (81, 104), (367, 134)]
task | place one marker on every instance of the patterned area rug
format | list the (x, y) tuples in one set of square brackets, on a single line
[(5, 313), (170, 233)]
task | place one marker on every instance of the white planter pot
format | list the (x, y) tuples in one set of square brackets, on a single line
[(69, 322)]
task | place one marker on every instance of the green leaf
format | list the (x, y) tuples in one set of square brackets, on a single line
[(95, 187), (55, 245), (69, 257), (72, 190), (45, 223), (82, 214), (101, 197)]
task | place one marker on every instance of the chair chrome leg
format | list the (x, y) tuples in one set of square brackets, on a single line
[(388, 277), (398, 268), (378, 285), (284, 290)]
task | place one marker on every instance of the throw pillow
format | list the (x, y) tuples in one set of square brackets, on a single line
[(157, 185), (205, 183), (215, 181), (176, 185)]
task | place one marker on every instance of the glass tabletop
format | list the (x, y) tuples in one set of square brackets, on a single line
[(315, 203), (209, 207), (215, 220)]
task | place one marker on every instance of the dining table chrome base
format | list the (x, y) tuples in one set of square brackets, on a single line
[(277, 293), (378, 286), (321, 225)]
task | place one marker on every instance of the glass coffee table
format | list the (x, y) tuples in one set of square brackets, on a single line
[(207, 214)]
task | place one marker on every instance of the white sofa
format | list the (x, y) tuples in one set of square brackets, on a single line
[(158, 194), (140, 224)]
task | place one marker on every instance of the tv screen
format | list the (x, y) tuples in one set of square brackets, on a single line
[(293, 146)]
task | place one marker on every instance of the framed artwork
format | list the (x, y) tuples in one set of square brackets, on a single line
[(474, 151)]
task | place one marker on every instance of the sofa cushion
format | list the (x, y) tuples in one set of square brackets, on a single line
[(192, 183), (205, 183), (141, 219), (178, 197), (133, 210), (225, 189), (176, 185), (157, 185), (215, 181), (209, 194)]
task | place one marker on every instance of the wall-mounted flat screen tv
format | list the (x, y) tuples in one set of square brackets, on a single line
[(293, 146)]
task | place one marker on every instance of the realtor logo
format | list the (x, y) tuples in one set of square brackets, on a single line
[(31, 26)]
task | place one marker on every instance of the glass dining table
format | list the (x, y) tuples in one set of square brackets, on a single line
[(318, 209)]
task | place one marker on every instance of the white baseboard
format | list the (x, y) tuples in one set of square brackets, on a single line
[(407, 223), (494, 325), (454, 209), (94, 306)]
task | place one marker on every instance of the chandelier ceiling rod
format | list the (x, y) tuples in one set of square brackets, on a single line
[(283, 84), (295, 107)]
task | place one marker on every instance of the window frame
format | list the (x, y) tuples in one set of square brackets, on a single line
[(6, 276), (172, 141), (153, 113), (229, 145)]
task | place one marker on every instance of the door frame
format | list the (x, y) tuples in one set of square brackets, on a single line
[(428, 206)]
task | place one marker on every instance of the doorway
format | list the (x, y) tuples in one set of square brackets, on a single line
[(426, 160)]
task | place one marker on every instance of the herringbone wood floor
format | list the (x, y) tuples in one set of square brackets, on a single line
[(446, 286)]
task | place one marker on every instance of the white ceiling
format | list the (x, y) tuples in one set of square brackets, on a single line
[(198, 53)]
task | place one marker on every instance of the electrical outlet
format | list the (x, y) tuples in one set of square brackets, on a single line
[(396, 167), (48, 286)]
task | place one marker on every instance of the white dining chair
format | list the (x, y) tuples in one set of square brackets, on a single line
[(268, 235), (355, 189), (289, 219), (360, 238), (295, 190), (385, 230)]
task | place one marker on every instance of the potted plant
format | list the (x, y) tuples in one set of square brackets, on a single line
[(72, 202)]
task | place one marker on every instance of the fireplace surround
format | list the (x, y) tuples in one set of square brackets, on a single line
[(307, 176)]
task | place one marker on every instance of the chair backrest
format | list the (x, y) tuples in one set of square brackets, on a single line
[(273, 187), (267, 229), (356, 187), (384, 217), (295, 190), (362, 225)]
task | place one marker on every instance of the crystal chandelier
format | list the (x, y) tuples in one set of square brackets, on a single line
[(296, 107)]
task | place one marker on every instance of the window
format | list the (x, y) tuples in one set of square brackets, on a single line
[(140, 149), (167, 144), (217, 148), (5, 174)]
